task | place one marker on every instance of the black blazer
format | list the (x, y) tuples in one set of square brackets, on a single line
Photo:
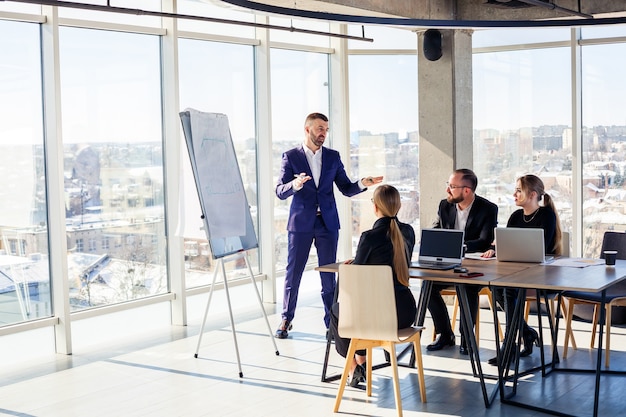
[(375, 247), (482, 219)]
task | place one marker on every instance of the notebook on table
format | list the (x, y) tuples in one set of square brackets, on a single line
[(520, 244), (440, 249)]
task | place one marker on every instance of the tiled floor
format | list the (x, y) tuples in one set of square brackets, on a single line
[(135, 364)]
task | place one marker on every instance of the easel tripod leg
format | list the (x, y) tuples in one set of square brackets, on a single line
[(232, 321), (206, 311), (258, 296)]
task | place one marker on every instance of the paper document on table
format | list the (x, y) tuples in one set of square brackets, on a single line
[(478, 256), (576, 262)]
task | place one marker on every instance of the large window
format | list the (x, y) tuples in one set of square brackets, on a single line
[(219, 78), (522, 125), (299, 87), (384, 138), (24, 274), (604, 142), (112, 140)]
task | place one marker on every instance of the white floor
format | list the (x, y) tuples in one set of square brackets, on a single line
[(135, 364)]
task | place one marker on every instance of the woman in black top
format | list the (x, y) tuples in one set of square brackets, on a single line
[(529, 192), (389, 242)]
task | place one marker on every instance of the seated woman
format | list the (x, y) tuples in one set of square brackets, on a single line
[(529, 192), (389, 242)]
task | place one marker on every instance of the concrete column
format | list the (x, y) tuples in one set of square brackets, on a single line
[(445, 117)]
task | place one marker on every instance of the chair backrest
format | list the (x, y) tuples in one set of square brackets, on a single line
[(614, 241), (565, 244), (367, 302)]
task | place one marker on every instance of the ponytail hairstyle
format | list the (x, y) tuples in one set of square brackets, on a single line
[(530, 183), (387, 199)]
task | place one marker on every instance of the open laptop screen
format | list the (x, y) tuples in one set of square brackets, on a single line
[(515, 244), (441, 245)]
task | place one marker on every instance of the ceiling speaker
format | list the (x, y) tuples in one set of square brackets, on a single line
[(432, 44)]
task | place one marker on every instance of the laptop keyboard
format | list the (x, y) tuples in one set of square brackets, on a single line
[(441, 267)]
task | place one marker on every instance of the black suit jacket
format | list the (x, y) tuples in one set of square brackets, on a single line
[(482, 219), (375, 247)]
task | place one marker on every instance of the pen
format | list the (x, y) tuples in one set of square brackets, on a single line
[(299, 175)]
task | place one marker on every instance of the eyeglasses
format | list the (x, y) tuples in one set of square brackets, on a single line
[(454, 187)]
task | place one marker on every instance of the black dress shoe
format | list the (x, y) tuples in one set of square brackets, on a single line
[(442, 341), (358, 376), (494, 361), (463, 350), (531, 337), (283, 330)]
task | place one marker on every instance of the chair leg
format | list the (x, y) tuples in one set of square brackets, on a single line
[(568, 326), (595, 322), (526, 310), (455, 311), (417, 348), (390, 346), (368, 372), (344, 376), (564, 310)]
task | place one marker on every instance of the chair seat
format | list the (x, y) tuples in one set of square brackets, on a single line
[(616, 291), (408, 332)]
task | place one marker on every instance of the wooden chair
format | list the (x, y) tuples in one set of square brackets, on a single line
[(485, 291), (615, 296), (367, 315)]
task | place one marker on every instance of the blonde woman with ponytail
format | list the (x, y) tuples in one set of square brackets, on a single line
[(389, 242)]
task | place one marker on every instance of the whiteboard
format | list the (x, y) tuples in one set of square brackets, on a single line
[(225, 210)]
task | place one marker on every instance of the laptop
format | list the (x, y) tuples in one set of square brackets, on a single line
[(440, 249), (520, 244)]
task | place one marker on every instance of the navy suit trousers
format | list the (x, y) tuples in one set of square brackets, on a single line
[(298, 254)]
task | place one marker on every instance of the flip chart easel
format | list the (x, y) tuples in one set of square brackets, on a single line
[(225, 210), (218, 267)]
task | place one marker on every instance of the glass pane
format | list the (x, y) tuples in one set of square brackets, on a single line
[(112, 138), (522, 125), (501, 37), (227, 12), (590, 32), (218, 77), (384, 139), (24, 272), (299, 87), (384, 38), (604, 135), (9, 6)]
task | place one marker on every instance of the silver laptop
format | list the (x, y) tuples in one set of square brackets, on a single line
[(520, 244), (440, 249)]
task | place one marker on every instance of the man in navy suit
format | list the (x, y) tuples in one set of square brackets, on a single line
[(308, 173), (463, 210)]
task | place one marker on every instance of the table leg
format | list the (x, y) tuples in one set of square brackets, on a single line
[(599, 359), (470, 339)]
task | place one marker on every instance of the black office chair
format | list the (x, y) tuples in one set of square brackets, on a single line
[(615, 296)]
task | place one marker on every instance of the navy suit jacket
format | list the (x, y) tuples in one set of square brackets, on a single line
[(307, 201), (482, 219)]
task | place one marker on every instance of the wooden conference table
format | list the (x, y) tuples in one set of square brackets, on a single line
[(554, 278), (545, 278)]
